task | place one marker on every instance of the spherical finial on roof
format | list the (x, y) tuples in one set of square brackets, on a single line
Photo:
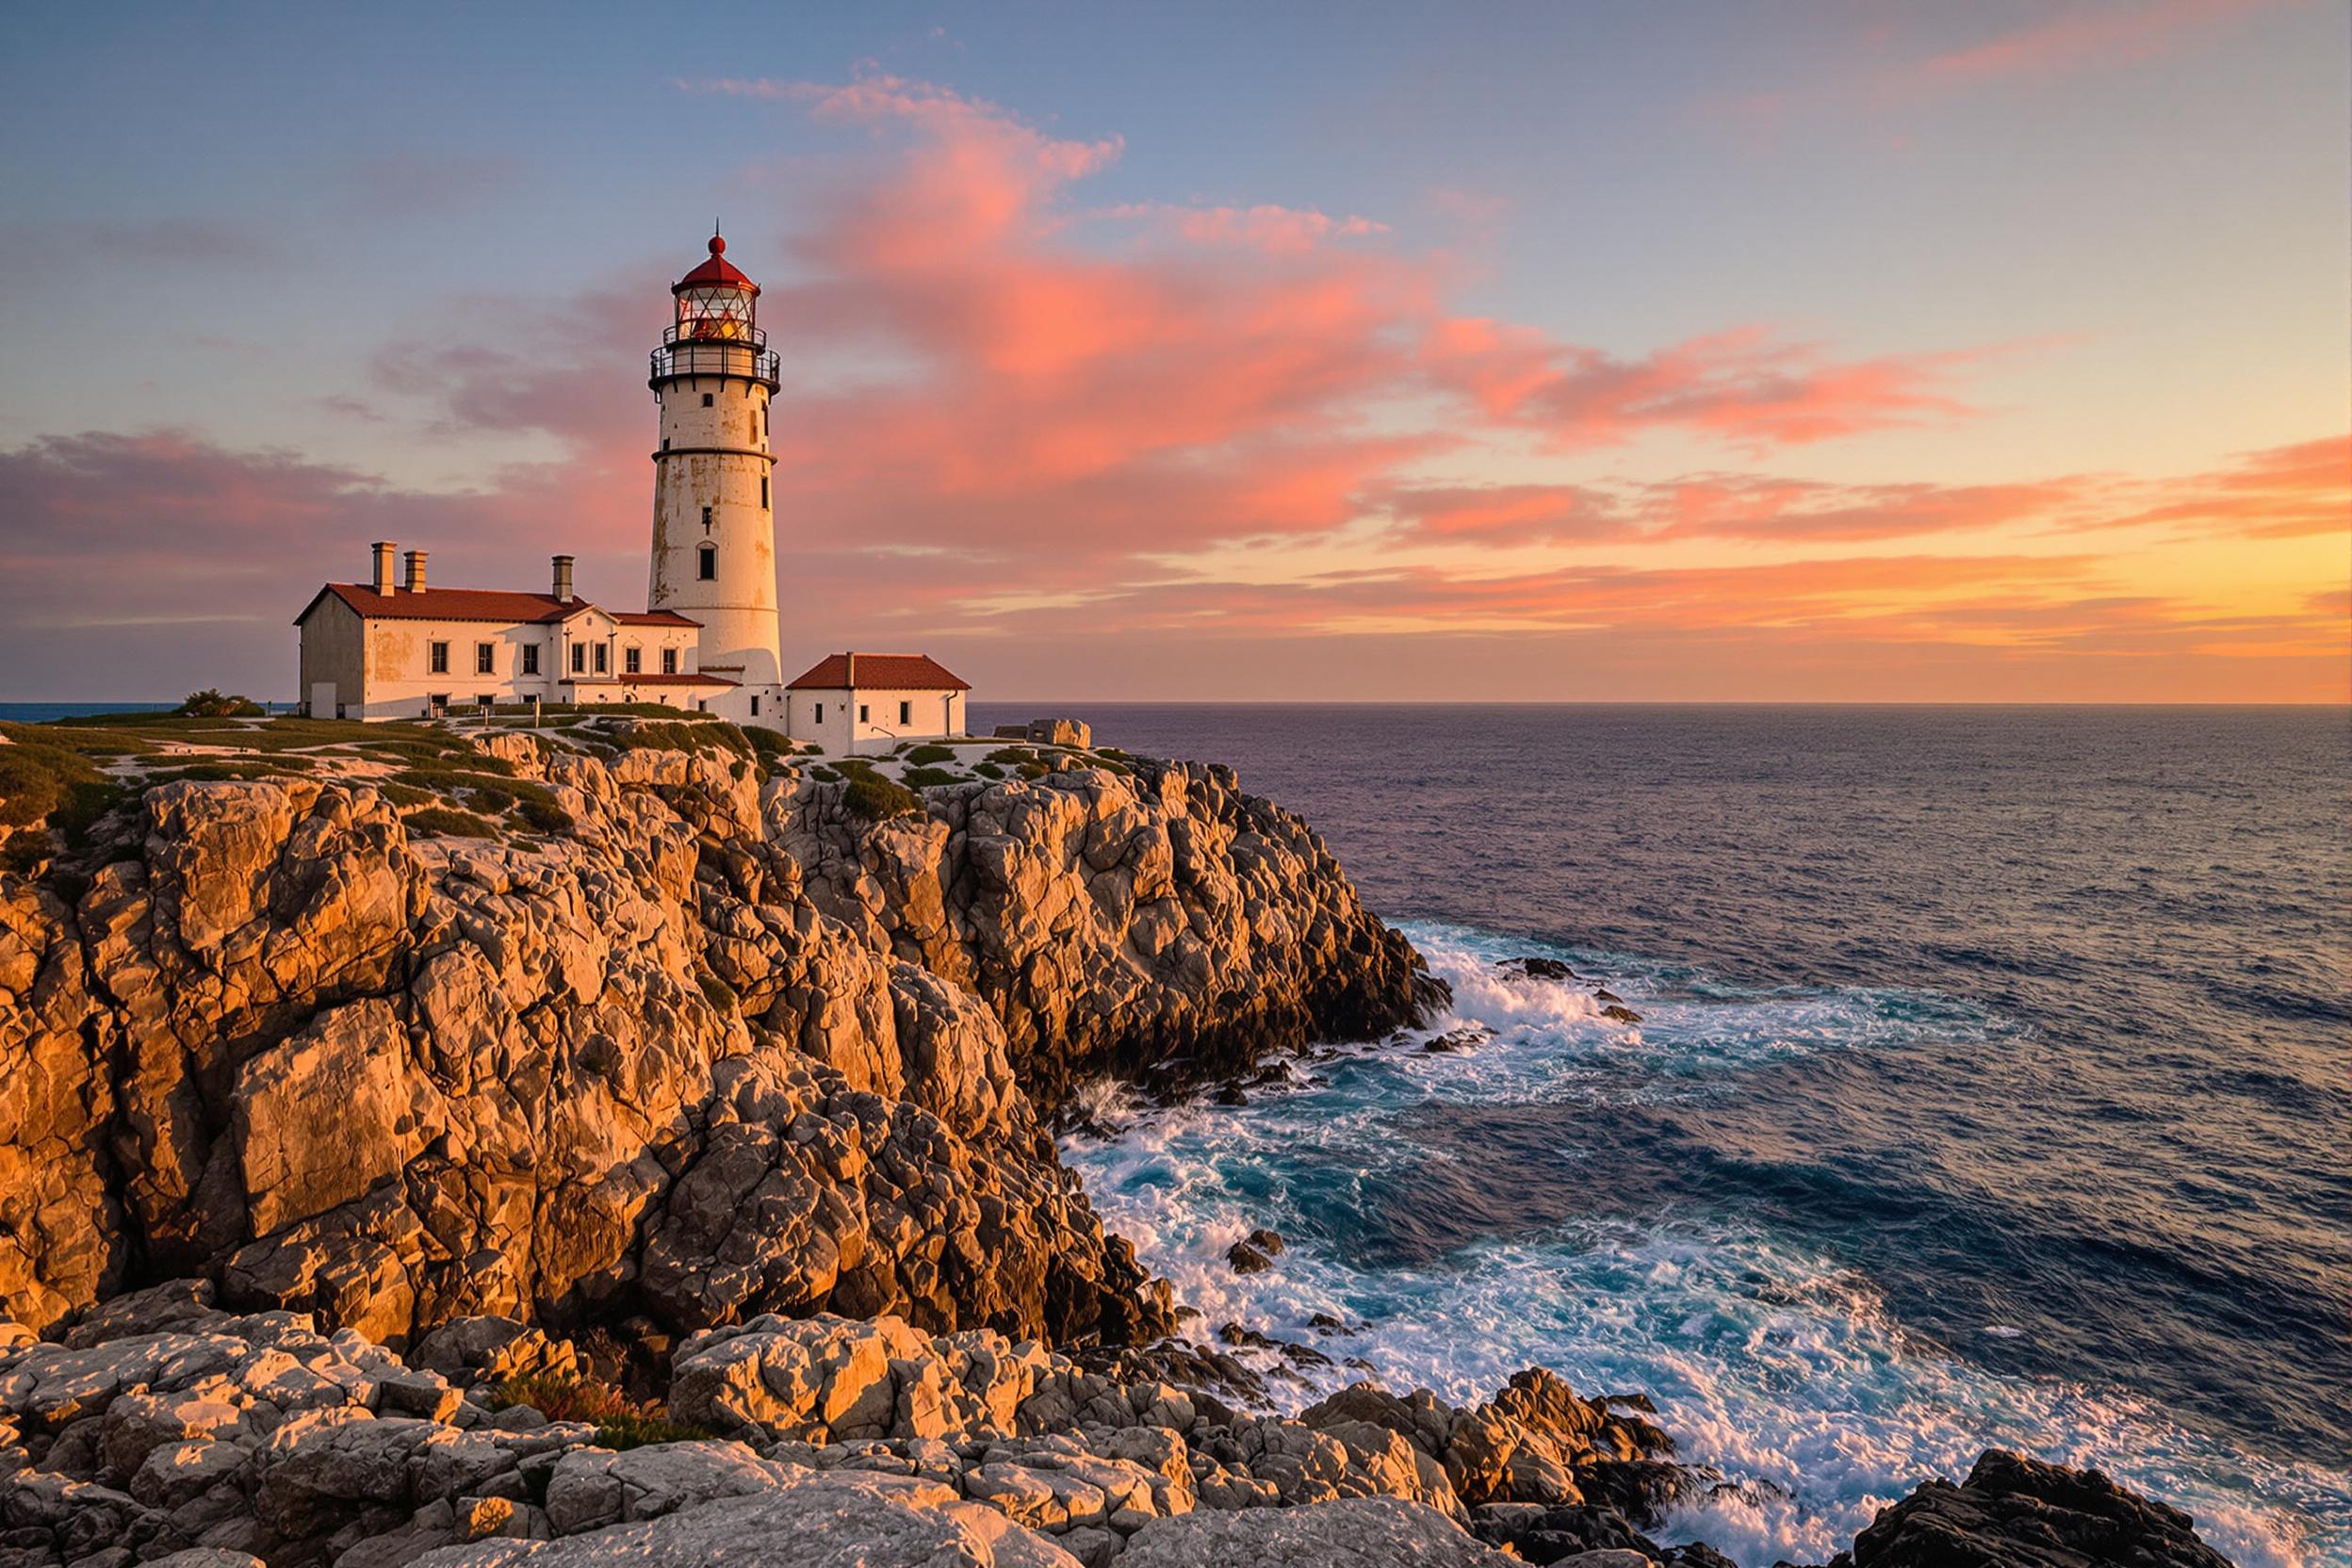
[(718, 246)]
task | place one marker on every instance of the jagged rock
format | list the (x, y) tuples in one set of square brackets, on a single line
[(1359, 1532), (1616, 1014), (1536, 968), (2018, 1512), (396, 1082)]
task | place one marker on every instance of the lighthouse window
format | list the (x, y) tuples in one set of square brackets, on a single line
[(632, 660), (486, 658), (437, 658), (763, 495), (705, 518), (709, 568), (706, 400)]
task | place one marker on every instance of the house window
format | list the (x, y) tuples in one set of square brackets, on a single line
[(486, 658), (580, 658), (706, 400), (820, 713), (864, 715), (669, 661), (707, 562), (632, 660), (905, 713), (604, 659), (437, 658), (755, 708), (531, 658)]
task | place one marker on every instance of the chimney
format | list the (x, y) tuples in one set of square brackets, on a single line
[(415, 571), (563, 579), (383, 548)]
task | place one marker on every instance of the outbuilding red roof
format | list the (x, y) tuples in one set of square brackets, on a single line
[(879, 672), (717, 271), (653, 618)]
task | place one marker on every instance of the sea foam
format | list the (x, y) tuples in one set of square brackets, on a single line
[(1779, 1369)]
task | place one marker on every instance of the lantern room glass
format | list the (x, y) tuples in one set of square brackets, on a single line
[(714, 313)]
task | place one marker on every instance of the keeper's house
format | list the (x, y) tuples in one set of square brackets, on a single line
[(386, 650), (852, 702)]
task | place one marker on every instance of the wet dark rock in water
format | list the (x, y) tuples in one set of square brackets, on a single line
[(2019, 1512), (1536, 968), (1231, 1094), (1602, 993), (1468, 1036), (1620, 1014), (1256, 1252)]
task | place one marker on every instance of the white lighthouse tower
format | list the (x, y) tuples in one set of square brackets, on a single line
[(713, 518)]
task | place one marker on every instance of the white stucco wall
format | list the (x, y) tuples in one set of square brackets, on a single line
[(931, 715), (381, 669)]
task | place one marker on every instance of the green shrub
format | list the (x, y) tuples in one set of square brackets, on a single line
[(987, 770), (210, 704), (926, 754), (818, 770), (678, 733), (636, 1429), (561, 1397), (441, 822), (545, 815), (405, 795), (1012, 757), (716, 991), (812, 749), (923, 778), (1033, 769), (876, 799), (769, 745), (488, 798)]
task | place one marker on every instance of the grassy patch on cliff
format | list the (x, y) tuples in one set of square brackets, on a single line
[(441, 822), (876, 799), (923, 778), (620, 1422)]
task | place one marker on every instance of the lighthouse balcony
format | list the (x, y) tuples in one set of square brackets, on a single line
[(746, 355)]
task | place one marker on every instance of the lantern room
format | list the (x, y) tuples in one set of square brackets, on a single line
[(716, 330), (715, 302)]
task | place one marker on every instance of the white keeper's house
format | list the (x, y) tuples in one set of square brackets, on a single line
[(710, 638)]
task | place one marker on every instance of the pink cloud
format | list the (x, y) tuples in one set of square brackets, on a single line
[(2086, 37)]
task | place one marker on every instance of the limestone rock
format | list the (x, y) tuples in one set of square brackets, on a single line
[(1359, 1532), (832, 1520)]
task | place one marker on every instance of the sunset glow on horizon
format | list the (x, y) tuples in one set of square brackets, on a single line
[(1984, 354)]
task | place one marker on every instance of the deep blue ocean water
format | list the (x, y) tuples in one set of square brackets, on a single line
[(1991, 1089)]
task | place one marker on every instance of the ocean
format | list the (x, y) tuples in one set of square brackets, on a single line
[(1990, 1089)]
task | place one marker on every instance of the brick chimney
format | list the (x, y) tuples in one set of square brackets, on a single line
[(415, 571), (564, 579), (383, 548)]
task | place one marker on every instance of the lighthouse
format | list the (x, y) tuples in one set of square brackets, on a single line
[(714, 509)]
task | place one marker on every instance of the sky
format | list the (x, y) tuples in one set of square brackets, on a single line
[(1840, 351)]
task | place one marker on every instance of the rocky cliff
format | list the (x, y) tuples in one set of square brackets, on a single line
[(708, 1042)]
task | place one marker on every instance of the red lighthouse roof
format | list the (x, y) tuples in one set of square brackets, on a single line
[(717, 271)]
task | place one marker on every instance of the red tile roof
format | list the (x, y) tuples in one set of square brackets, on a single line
[(475, 604), (878, 672), (718, 269)]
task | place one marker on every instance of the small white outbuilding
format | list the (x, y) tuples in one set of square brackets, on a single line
[(852, 702)]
